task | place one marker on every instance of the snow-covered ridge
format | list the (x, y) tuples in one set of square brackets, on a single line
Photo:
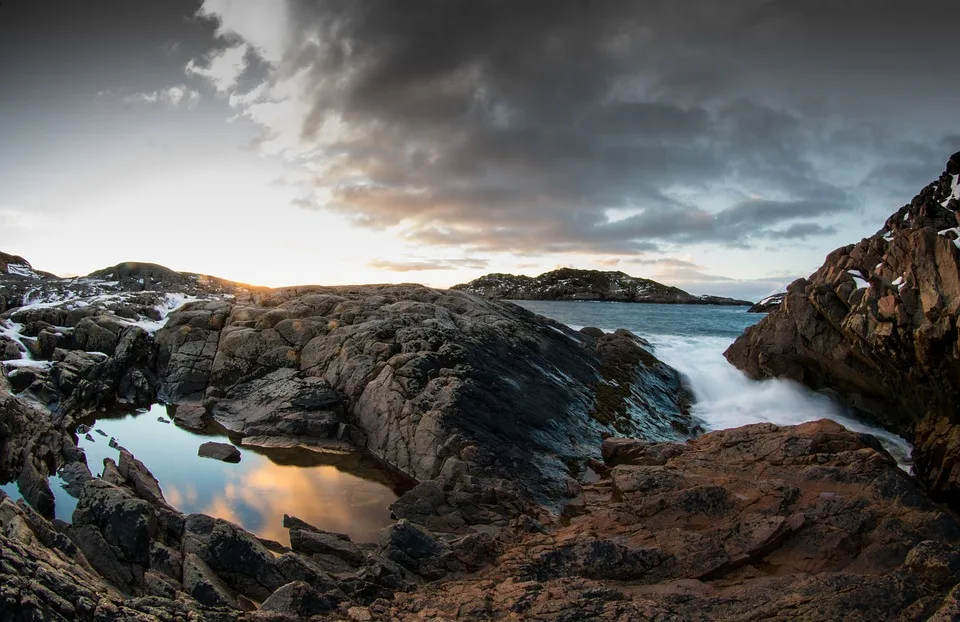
[(148, 311), (23, 270)]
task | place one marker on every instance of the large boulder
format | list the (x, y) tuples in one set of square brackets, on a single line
[(441, 385), (877, 326)]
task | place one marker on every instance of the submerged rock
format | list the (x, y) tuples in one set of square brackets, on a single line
[(219, 451), (876, 326)]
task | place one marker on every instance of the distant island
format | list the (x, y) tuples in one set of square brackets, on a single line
[(595, 285)]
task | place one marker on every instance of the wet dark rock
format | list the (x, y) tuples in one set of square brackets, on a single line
[(418, 551), (201, 583), (592, 331), (138, 477), (294, 523), (328, 544), (234, 555), (35, 488), (299, 599), (74, 476), (219, 451), (127, 523), (21, 380)]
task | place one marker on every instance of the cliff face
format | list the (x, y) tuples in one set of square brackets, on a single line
[(570, 284), (877, 325)]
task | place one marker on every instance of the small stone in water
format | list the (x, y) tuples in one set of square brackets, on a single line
[(219, 451)]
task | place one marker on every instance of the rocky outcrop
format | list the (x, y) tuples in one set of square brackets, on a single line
[(810, 522), (85, 343), (570, 284), (877, 326), (440, 385), (761, 522), (768, 304)]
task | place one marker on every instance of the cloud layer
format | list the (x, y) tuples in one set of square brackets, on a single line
[(571, 126)]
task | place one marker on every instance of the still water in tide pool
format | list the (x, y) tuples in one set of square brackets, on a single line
[(343, 493)]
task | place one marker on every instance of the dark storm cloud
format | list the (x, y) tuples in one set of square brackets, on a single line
[(614, 127)]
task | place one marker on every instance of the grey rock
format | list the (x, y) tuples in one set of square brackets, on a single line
[(234, 555), (139, 477), (407, 370), (301, 600), (418, 551), (203, 584), (128, 524), (322, 543), (35, 488), (74, 475)]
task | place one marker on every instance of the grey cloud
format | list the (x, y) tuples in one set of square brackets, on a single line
[(801, 231), (423, 265), (506, 126)]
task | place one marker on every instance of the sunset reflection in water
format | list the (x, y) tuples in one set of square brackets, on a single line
[(344, 493)]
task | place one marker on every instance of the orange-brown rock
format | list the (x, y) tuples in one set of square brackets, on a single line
[(762, 522), (877, 326), (811, 522)]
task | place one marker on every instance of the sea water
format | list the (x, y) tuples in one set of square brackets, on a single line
[(692, 339)]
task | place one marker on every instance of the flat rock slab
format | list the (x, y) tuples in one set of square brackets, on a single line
[(219, 451)]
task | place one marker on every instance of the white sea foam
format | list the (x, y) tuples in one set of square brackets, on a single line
[(726, 398)]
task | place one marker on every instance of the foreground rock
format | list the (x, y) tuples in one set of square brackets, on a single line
[(474, 394), (219, 451), (877, 326), (761, 522), (570, 284), (810, 522)]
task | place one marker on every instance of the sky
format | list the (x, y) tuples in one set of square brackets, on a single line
[(722, 147)]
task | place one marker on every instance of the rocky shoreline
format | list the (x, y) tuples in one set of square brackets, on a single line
[(876, 326), (559, 474), (587, 285)]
